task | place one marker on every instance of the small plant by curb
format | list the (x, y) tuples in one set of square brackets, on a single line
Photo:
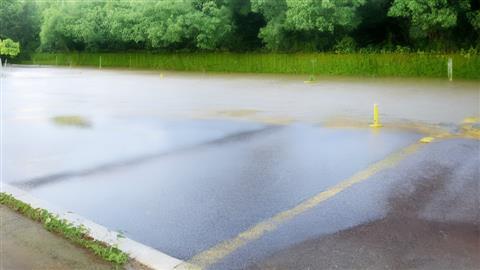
[(76, 234)]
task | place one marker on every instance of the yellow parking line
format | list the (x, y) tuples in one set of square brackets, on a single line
[(223, 249), (468, 128), (471, 120)]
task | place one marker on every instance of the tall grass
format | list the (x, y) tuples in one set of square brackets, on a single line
[(355, 64)]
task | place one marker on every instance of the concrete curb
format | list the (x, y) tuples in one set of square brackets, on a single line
[(145, 255)]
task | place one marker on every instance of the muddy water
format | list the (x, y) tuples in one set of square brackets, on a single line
[(132, 114), (35, 94)]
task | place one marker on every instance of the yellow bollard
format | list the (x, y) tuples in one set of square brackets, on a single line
[(376, 118)]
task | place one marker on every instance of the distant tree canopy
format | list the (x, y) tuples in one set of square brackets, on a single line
[(20, 21), (240, 25), (111, 25), (305, 24), (434, 20)]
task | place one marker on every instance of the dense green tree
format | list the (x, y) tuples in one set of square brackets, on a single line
[(79, 26), (57, 30), (305, 18), (126, 24), (378, 30), (474, 17), (246, 25), (200, 24), (274, 32), (20, 20), (438, 24), (9, 48), (240, 25), (91, 25), (322, 15), (428, 18)]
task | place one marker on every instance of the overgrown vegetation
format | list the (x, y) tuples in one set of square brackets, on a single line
[(344, 37), (76, 234), (466, 65)]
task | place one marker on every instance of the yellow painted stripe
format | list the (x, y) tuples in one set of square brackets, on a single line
[(471, 120), (223, 249)]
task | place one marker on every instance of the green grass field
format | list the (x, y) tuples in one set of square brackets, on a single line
[(381, 65)]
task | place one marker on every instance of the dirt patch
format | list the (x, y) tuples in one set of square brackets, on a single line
[(27, 245)]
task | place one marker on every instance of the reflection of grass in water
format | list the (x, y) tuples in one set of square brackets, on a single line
[(71, 120)]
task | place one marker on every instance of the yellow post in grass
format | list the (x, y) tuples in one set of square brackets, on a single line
[(376, 118)]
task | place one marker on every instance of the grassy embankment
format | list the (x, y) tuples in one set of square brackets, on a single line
[(371, 65), (76, 234)]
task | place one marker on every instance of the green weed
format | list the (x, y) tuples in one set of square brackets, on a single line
[(76, 234)]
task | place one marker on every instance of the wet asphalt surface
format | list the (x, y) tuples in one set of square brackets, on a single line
[(150, 168), (422, 214), (192, 199)]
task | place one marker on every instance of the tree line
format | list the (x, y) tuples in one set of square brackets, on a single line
[(241, 25)]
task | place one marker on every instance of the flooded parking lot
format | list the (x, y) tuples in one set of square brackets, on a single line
[(186, 162), (41, 93)]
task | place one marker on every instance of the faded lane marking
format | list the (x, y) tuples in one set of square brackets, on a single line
[(225, 248), (426, 129), (470, 127), (471, 120)]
